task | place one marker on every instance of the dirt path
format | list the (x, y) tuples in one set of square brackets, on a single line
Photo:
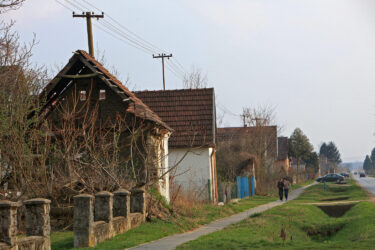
[(171, 242)]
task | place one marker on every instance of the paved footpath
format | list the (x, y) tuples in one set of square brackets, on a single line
[(171, 242)]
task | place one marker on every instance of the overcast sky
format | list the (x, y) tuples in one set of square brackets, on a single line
[(312, 59)]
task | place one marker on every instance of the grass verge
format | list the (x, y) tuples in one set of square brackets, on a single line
[(156, 229), (300, 225)]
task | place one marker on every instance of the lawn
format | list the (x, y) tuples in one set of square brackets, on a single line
[(300, 225), (157, 229)]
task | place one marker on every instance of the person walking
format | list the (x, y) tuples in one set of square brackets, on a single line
[(286, 188), (280, 186)]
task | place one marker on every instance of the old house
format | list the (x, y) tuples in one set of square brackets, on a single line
[(255, 140), (191, 113), (85, 89), (282, 163)]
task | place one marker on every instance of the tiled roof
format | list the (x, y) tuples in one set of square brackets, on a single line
[(282, 148), (135, 105), (189, 112)]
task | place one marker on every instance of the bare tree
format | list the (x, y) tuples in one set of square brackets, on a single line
[(6, 5), (195, 79), (262, 115), (20, 81)]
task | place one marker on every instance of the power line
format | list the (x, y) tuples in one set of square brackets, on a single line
[(74, 5), (113, 29), (125, 35), (103, 28), (128, 30), (174, 65), (64, 6), (177, 65)]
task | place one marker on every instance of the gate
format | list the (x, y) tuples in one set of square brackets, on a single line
[(243, 187)]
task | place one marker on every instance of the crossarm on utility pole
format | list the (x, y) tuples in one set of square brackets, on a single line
[(162, 56), (88, 16)]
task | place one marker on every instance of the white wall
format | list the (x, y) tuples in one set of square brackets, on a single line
[(164, 182), (193, 172)]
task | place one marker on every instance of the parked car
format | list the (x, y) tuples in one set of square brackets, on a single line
[(362, 175), (344, 174), (331, 178), (355, 173)]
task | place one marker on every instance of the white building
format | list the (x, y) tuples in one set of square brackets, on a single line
[(191, 113)]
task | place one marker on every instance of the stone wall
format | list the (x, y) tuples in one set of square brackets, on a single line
[(37, 225), (100, 217)]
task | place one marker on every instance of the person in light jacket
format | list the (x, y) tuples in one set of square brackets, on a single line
[(286, 188)]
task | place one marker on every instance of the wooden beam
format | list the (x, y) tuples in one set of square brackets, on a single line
[(81, 76)]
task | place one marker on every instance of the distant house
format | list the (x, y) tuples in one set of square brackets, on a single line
[(257, 139), (282, 162), (191, 113), (84, 81), (293, 165)]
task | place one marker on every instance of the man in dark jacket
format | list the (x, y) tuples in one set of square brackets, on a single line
[(280, 186)]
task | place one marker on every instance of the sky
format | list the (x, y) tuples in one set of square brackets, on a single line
[(313, 60)]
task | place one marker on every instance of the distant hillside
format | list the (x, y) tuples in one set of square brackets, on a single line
[(352, 165)]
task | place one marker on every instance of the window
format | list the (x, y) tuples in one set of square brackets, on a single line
[(82, 95), (102, 94)]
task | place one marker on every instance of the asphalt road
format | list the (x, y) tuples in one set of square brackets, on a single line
[(366, 182)]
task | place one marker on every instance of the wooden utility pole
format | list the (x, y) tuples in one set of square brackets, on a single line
[(88, 16), (162, 56)]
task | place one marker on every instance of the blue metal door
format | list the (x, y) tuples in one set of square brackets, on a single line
[(243, 187)]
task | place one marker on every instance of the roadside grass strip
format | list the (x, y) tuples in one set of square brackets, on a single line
[(157, 229), (302, 224)]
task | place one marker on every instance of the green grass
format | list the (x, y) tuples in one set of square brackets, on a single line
[(306, 226), (157, 229)]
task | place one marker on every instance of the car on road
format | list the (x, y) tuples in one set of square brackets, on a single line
[(362, 175), (344, 174), (331, 178)]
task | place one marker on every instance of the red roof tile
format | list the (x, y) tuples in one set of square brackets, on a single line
[(190, 112)]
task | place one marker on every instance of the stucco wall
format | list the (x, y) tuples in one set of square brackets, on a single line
[(193, 172), (164, 182)]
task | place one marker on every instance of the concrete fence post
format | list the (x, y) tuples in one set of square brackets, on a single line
[(83, 225), (121, 203), (37, 217), (138, 201), (8, 222), (103, 206)]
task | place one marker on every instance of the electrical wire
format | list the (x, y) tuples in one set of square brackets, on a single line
[(128, 30), (125, 35), (74, 5), (64, 6)]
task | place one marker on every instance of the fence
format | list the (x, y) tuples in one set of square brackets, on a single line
[(101, 217), (243, 187), (37, 225)]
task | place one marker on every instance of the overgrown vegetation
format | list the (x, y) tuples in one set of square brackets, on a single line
[(300, 224)]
